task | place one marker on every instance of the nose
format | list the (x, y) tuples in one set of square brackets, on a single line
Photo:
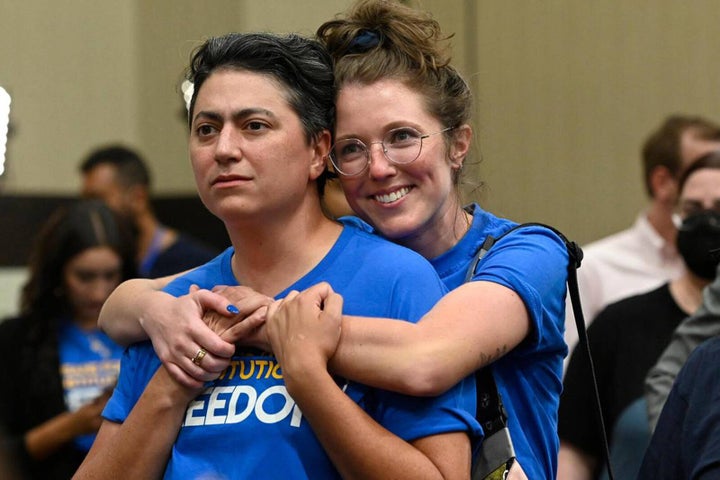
[(380, 166), (227, 147)]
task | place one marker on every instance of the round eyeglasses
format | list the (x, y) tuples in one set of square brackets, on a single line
[(401, 146)]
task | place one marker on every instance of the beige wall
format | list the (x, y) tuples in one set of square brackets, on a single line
[(70, 68), (566, 91)]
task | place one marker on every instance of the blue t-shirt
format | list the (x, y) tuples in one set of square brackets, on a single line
[(532, 261), (245, 425), (89, 365)]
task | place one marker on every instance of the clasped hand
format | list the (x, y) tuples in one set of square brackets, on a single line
[(302, 329)]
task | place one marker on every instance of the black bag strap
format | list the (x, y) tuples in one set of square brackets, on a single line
[(493, 413)]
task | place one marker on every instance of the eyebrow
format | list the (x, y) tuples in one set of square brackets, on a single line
[(387, 128), (238, 115)]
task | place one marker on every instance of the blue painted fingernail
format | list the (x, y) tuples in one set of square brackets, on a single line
[(233, 309)]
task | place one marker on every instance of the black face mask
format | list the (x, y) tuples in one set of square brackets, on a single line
[(698, 242)]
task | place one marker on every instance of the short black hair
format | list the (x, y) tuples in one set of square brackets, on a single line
[(130, 166), (301, 65)]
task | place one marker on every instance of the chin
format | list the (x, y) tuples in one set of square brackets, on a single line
[(394, 231)]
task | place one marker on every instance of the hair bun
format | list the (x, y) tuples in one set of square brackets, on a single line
[(364, 41)]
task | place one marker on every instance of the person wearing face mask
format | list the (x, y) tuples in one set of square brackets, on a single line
[(627, 337), (698, 239), (643, 257)]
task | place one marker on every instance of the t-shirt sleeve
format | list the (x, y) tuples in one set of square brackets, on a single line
[(139, 361), (415, 292), (213, 273), (532, 261), (137, 366), (411, 418)]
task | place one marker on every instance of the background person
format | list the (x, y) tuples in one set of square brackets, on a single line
[(62, 364), (705, 321), (687, 435), (120, 177), (628, 336), (402, 115), (643, 257), (259, 120)]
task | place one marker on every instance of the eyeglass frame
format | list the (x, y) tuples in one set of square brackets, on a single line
[(384, 149)]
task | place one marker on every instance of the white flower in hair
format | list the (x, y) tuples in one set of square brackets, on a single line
[(4, 124), (187, 89)]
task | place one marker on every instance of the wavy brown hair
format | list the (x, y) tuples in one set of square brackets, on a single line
[(410, 41), (379, 39)]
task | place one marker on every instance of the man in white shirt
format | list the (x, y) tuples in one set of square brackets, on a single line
[(644, 256)]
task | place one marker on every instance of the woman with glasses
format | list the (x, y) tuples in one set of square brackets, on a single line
[(401, 138), (402, 135)]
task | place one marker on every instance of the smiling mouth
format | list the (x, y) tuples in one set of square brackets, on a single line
[(392, 197)]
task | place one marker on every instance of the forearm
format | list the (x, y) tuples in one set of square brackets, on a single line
[(469, 328), (573, 464), (140, 447), (122, 312), (50, 436), (304, 337), (358, 446), (379, 352)]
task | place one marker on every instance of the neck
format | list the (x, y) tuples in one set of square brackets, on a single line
[(440, 234), (274, 251), (660, 217), (86, 323), (148, 226), (686, 290)]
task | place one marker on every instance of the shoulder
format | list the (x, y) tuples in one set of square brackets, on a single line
[(531, 245), (707, 354), (531, 260), (215, 272), (531, 256), (379, 278), (698, 382), (534, 237), (378, 251), (515, 235), (139, 361)]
